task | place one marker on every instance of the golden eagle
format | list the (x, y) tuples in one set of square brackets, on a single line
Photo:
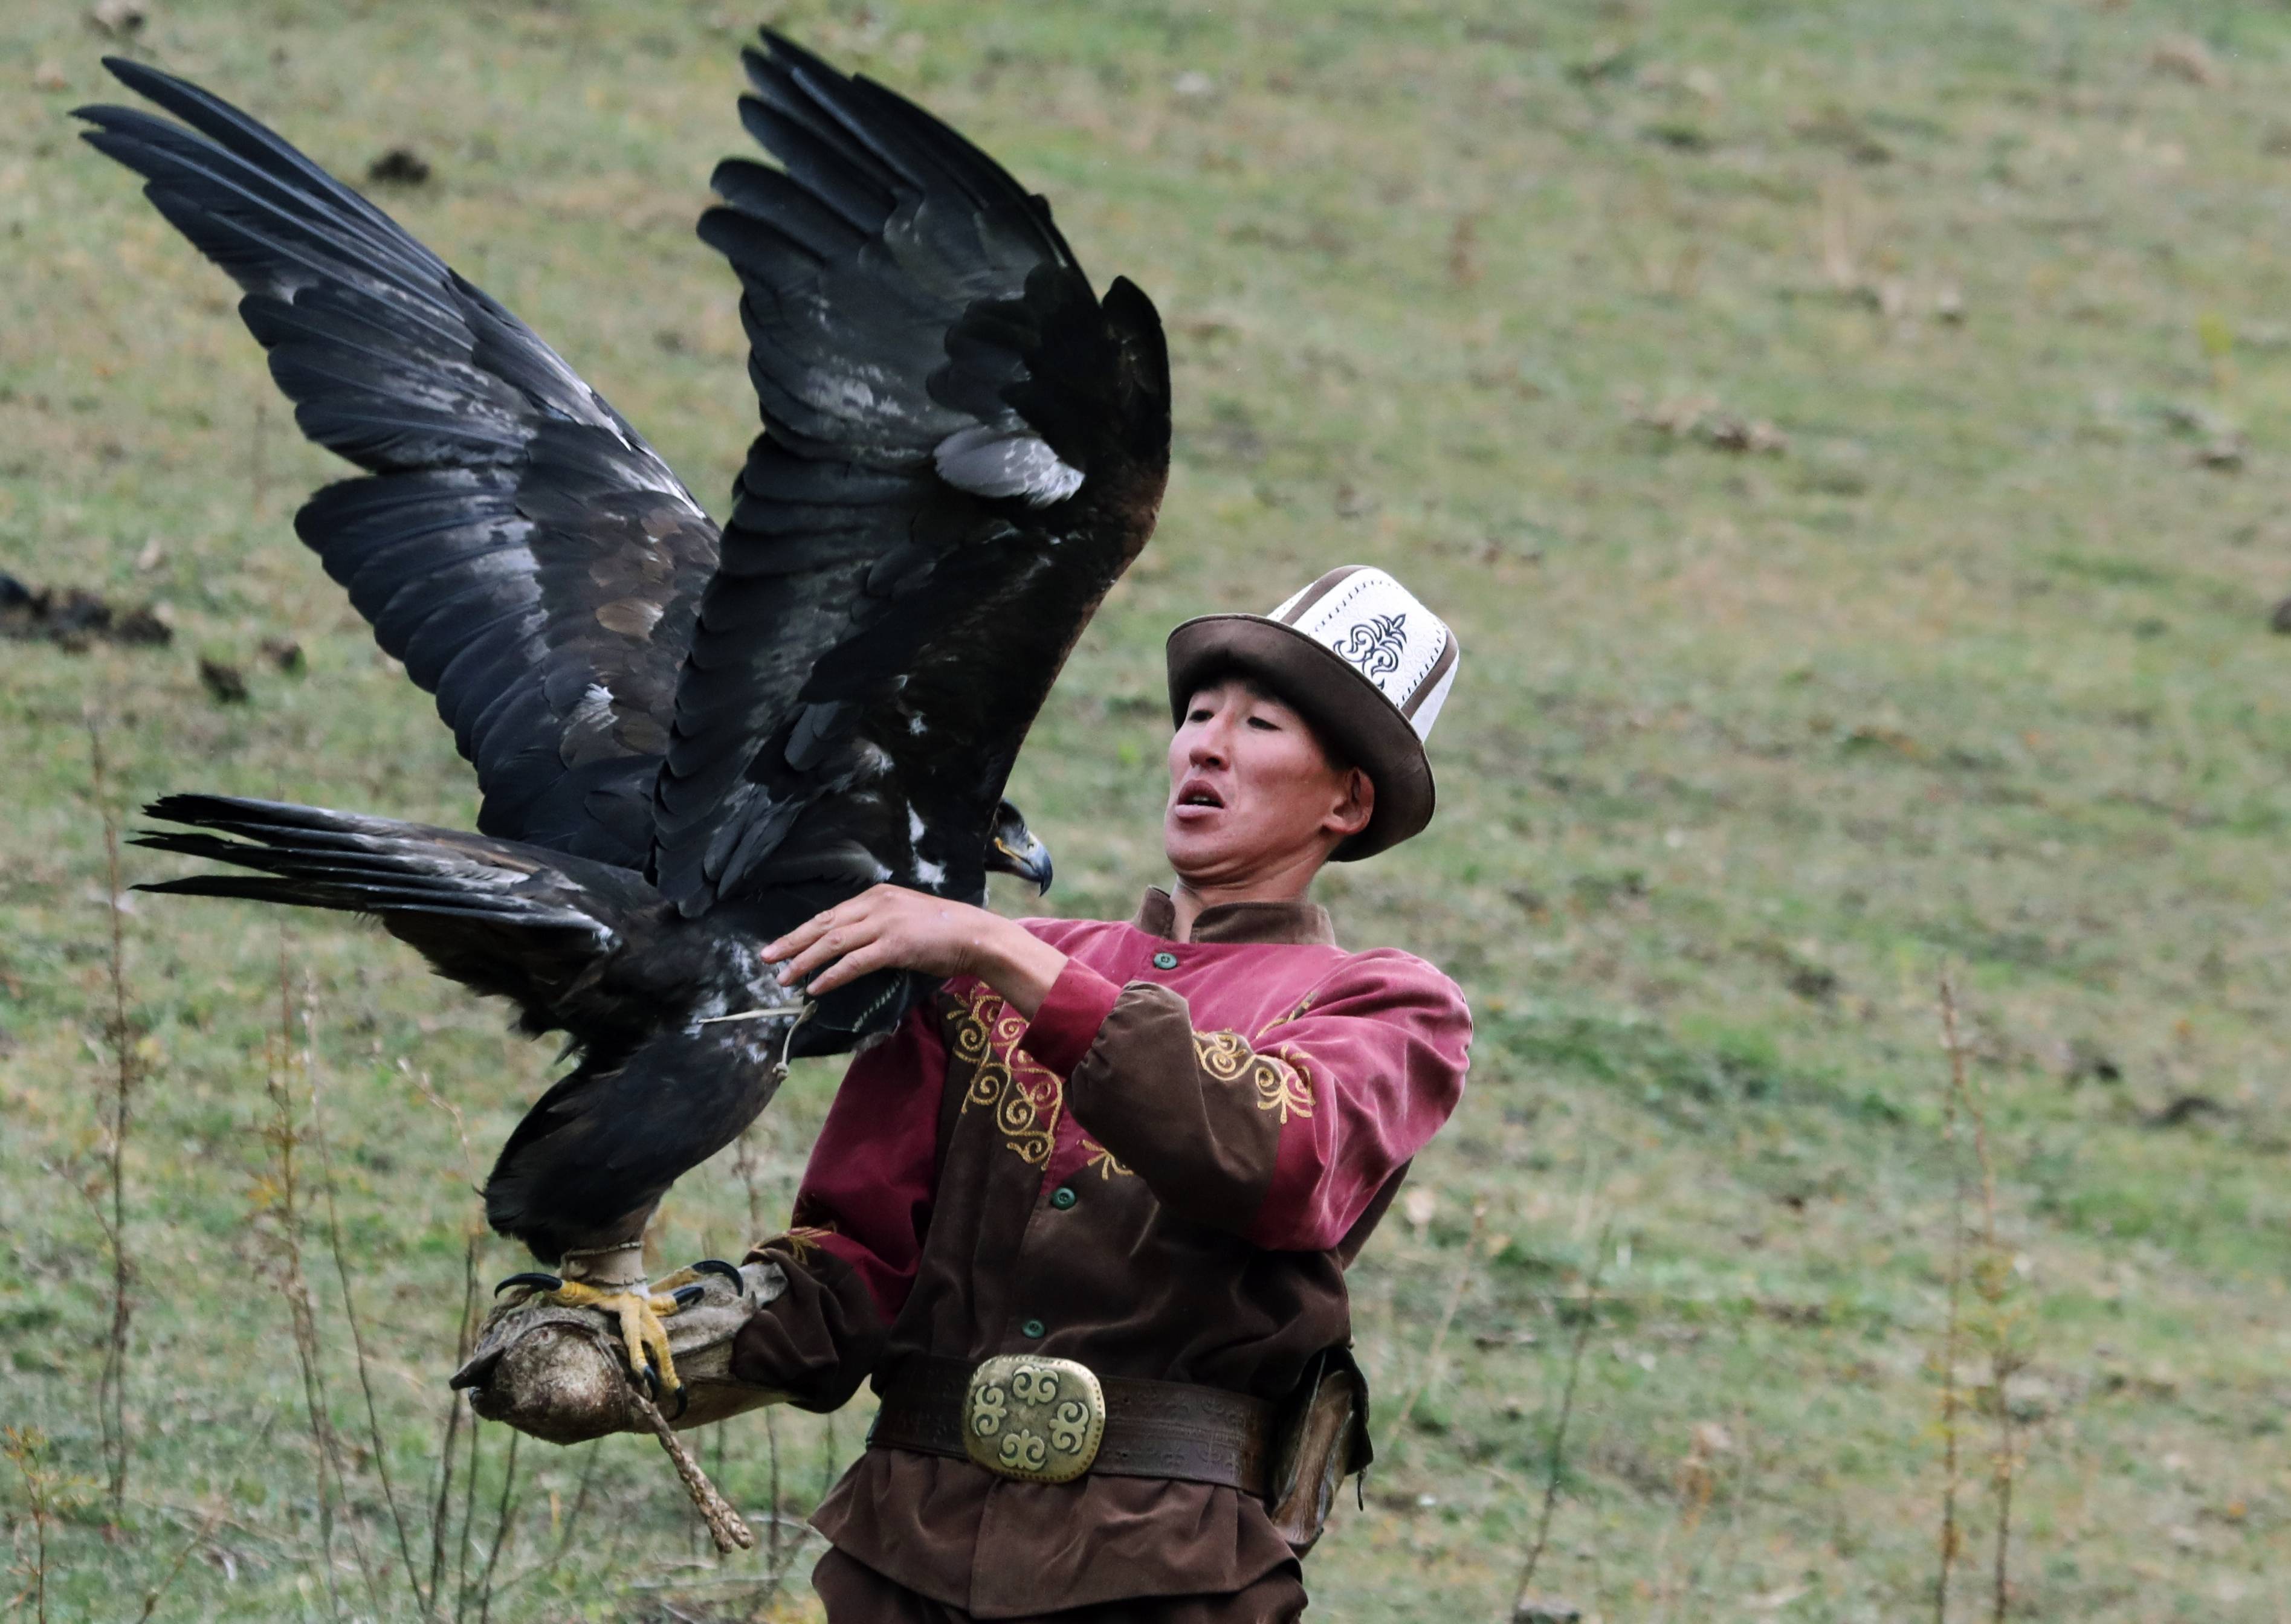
[(687, 740)]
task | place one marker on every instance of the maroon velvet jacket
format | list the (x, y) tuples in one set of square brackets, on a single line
[(1164, 1175)]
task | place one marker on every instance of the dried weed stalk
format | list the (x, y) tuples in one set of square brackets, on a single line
[(1709, 1444), (441, 1501), (1951, 1334), (376, 1442), (443, 1534), (1457, 1287), (1999, 1326), (748, 1166), (780, 1556), (1558, 1457), (566, 1530), (118, 1113), (280, 1198), (505, 1510), (44, 1496), (1700, 1486), (199, 1536)]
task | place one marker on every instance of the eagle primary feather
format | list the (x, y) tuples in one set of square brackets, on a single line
[(687, 742), (901, 294), (533, 563)]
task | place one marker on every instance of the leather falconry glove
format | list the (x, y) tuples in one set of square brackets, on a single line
[(559, 1373)]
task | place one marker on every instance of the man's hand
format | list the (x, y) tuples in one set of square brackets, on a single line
[(890, 927)]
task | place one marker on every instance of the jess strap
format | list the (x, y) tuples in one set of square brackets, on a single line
[(1170, 1430)]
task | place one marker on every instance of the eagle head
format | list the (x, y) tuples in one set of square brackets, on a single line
[(1013, 848)]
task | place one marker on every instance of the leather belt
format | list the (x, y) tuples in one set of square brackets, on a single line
[(1170, 1430)]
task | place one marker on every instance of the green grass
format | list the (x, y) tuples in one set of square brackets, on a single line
[(1746, 746)]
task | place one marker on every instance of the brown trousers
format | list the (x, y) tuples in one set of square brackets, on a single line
[(856, 1593)]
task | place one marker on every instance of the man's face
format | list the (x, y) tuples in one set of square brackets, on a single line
[(1251, 791)]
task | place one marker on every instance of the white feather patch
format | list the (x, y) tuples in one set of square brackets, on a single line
[(989, 461), (595, 709)]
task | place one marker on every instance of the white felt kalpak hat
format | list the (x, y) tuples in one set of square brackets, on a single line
[(1362, 659)]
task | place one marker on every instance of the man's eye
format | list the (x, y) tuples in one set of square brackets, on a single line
[(1201, 714), (1266, 722)]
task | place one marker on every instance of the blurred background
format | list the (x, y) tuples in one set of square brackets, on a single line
[(1850, 440)]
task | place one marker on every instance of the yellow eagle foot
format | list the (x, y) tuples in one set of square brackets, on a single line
[(644, 1340)]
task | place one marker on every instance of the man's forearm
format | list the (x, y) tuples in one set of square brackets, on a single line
[(1018, 965)]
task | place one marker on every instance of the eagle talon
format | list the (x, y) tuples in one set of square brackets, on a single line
[(716, 1266), (687, 1295), (637, 1315)]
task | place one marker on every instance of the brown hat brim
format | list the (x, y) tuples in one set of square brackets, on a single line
[(1350, 714)]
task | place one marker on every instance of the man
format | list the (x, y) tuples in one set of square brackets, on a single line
[(1088, 1216)]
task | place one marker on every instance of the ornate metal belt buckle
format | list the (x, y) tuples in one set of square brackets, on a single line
[(1034, 1419)]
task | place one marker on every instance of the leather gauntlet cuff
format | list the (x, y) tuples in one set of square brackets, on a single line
[(552, 1371)]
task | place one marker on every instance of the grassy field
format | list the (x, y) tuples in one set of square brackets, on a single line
[(1851, 441)]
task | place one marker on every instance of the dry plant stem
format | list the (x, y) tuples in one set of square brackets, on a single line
[(111, 1388), (504, 1514), (725, 1526), (329, 1436), (22, 1448), (205, 1532), (580, 1502), (349, 1303), (2005, 1446), (2002, 1362), (564, 1534), (1559, 1433), (772, 1527), (1955, 1048), (1991, 1280), (443, 1498), (439, 1504), (1737, 1490), (469, 1525), (747, 1163), (428, 1090), (722, 1433), (284, 1200), (1447, 1317), (1697, 1490)]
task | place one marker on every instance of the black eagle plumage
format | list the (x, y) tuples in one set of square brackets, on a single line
[(686, 741)]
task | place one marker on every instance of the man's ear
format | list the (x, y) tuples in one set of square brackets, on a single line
[(1351, 815)]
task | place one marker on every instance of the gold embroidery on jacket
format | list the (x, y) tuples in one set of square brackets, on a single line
[(1026, 1098), (1224, 1055), (1303, 1009), (1283, 1084), (1104, 1162), (802, 1241)]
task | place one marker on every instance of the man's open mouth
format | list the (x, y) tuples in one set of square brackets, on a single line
[(1199, 795)]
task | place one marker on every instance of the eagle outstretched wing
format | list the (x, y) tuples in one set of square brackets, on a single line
[(963, 447), (533, 563)]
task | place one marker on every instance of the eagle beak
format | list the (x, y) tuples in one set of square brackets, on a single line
[(1030, 861)]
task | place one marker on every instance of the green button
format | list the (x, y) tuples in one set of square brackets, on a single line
[(1165, 961), (1064, 1197), (1032, 1328)]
